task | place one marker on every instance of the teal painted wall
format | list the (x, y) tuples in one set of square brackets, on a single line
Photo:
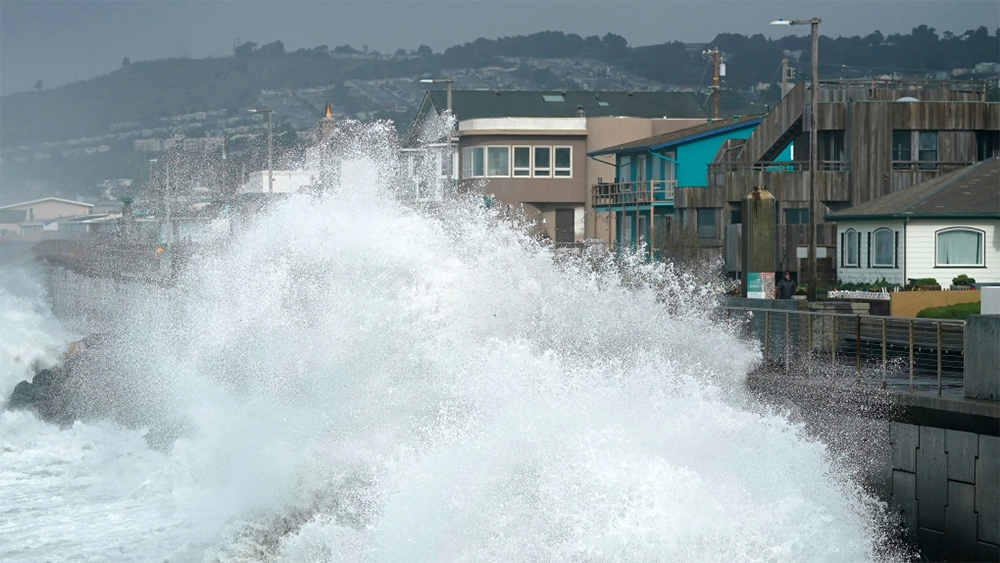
[(694, 157)]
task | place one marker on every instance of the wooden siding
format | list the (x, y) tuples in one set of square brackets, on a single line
[(775, 125), (920, 249), (865, 272)]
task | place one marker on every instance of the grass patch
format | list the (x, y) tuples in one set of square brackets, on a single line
[(957, 311)]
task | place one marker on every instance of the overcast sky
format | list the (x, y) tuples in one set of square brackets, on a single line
[(59, 41)]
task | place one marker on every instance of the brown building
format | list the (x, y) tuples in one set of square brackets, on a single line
[(532, 147), (22, 218)]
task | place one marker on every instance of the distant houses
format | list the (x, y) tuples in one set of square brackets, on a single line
[(21, 219)]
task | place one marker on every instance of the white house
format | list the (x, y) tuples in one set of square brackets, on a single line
[(936, 229)]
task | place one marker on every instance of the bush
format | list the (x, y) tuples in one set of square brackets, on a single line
[(963, 279), (957, 311)]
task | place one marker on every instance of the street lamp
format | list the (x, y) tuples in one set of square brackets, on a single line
[(813, 149), (270, 171), (451, 153)]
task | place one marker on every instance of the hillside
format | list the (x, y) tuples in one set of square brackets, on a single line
[(67, 139)]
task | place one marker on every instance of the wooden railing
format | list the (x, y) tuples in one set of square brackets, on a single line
[(778, 166), (645, 192)]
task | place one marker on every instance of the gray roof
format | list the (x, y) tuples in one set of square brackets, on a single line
[(476, 104), (972, 192)]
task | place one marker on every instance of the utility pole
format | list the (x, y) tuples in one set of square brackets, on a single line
[(716, 73), (784, 78)]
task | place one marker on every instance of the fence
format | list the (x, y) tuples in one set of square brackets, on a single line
[(899, 350)]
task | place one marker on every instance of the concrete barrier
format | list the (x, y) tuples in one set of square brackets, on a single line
[(982, 357)]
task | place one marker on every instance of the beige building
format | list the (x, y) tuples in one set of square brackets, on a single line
[(531, 147), (20, 218)]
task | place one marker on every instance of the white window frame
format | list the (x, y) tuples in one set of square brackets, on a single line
[(468, 160), (981, 251), (534, 162), (873, 245), (562, 171), (514, 168), (486, 163), (851, 246)]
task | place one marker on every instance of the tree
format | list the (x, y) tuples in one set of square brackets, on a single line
[(245, 50), (38, 86), (126, 62)]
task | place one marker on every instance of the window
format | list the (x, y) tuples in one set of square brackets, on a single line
[(543, 162), (959, 247), (987, 144), (497, 161), (564, 161), (926, 153), (472, 162), (522, 161), (831, 149), (883, 248), (706, 223), (850, 243), (901, 149), (796, 216)]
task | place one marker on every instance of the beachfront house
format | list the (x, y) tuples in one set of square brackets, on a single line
[(940, 229)]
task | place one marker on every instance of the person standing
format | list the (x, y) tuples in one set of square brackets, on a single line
[(785, 287)]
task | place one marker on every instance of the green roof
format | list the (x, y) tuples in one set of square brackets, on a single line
[(477, 104), (973, 192)]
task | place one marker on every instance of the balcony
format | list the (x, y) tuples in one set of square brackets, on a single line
[(621, 194)]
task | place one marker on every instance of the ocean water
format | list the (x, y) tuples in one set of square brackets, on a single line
[(352, 378)]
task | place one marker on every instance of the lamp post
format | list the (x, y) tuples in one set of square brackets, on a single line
[(813, 149), (270, 171), (451, 153)]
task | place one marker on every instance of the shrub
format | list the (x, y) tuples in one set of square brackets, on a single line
[(957, 311), (963, 279)]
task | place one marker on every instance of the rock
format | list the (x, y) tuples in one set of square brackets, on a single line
[(45, 395)]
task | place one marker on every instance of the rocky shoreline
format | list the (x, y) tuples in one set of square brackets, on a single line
[(49, 394)]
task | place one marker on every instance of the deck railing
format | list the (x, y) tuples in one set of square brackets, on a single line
[(898, 351), (645, 192)]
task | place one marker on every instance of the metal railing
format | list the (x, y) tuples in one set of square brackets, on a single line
[(633, 193), (899, 351)]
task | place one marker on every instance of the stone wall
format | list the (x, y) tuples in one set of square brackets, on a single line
[(946, 485)]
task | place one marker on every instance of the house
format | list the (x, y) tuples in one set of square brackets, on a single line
[(531, 147), (940, 228), (649, 198), (874, 138), (36, 213)]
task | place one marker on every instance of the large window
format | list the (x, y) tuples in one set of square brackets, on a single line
[(497, 162), (564, 161), (706, 223), (883, 248), (924, 158), (959, 247), (850, 245), (502, 161), (543, 162), (473, 162), (522, 161)]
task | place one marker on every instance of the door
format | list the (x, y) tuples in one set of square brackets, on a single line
[(564, 226)]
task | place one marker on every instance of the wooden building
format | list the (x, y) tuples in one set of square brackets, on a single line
[(874, 138)]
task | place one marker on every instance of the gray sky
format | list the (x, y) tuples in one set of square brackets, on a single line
[(59, 41)]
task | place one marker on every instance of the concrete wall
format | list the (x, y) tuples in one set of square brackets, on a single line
[(982, 357), (909, 303), (946, 486)]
